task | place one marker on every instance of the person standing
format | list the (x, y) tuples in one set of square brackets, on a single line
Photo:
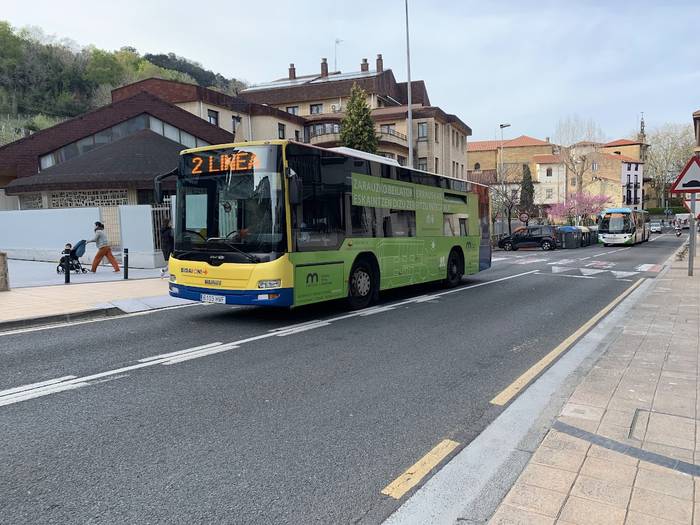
[(103, 248), (166, 243)]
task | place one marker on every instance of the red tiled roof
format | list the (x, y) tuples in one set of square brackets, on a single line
[(546, 159), (21, 157), (621, 142), (623, 158), (518, 142)]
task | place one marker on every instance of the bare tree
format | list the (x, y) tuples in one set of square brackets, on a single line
[(671, 145), (580, 141), (505, 193)]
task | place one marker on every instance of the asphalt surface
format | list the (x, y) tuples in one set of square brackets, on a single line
[(300, 425)]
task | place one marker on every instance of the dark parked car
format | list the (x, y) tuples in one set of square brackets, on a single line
[(544, 237)]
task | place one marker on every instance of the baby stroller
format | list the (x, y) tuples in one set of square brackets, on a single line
[(73, 259)]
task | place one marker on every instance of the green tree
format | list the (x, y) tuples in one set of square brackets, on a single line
[(357, 127), (527, 191), (103, 68)]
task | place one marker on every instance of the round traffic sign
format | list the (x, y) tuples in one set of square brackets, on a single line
[(524, 217)]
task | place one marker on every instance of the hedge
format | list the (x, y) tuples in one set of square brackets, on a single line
[(660, 211)]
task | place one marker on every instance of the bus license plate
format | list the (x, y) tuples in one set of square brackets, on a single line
[(210, 298)]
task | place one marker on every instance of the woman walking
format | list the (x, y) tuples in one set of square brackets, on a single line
[(103, 248)]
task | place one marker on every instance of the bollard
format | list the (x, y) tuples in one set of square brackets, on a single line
[(66, 269), (126, 263)]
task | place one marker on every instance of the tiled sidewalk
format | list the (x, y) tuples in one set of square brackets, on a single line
[(43, 301), (626, 446)]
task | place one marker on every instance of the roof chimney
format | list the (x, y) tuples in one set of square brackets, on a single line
[(546, 139), (364, 66), (292, 72), (380, 63), (324, 67)]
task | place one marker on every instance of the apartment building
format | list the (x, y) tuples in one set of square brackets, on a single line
[(550, 177), (439, 138), (511, 154)]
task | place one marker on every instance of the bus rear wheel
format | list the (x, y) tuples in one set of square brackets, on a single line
[(455, 269), (361, 285)]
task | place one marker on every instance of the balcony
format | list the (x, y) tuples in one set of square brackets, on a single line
[(324, 137), (391, 136)]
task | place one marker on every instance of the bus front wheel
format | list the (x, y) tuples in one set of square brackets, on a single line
[(361, 285)]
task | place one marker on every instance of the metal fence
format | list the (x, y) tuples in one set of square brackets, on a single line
[(160, 214)]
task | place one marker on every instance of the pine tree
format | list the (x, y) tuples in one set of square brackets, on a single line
[(357, 127), (527, 191)]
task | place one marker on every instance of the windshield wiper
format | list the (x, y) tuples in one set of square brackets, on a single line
[(249, 256)]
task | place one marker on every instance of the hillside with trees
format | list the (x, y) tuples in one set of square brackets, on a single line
[(44, 80)]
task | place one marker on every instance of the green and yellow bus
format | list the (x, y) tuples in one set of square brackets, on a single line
[(279, 223)]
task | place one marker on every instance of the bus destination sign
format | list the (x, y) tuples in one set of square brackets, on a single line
[(212, 162)]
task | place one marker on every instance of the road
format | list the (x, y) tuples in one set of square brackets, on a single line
[(304, 418)]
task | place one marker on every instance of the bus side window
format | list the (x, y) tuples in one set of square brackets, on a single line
[(463, 227)]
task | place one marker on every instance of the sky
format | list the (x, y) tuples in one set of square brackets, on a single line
[(527, 63)]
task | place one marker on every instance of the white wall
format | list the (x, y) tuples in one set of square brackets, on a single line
[(137, 235), (556, 182), (39, 235), (8, 202)]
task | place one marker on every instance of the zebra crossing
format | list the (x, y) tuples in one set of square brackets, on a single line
[(582, 267)]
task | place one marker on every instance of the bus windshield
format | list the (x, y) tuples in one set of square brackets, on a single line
[(615, 223), (231, 202)]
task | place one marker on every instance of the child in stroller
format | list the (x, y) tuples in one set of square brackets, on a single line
[(72, 254)]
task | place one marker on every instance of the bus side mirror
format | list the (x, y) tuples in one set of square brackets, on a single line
[(296, 188), (157, 185)]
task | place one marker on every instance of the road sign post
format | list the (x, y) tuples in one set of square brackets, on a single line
[(688, 181), (693, 236)]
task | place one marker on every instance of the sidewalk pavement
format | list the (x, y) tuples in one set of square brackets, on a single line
[(44, 304), (626, 446)]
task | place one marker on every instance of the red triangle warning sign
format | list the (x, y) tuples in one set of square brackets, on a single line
[(688, 180)]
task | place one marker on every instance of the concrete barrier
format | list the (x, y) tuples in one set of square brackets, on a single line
[(4, 275)]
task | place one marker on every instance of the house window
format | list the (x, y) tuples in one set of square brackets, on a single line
[(422, 163), (437, 165), (437, 134), (297, 135), (594, 166), (549, 193), (636, 167), (315, 109), (280, 131), (477, 166), (213, 117), (293, 110), (573, 181), (422, 131), (401, 160), (387, 128), (549, 172)]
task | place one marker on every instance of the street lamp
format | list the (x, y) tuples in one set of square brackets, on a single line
[(502, 126), (408, 90)]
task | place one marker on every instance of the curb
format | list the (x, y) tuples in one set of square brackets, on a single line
[(82, 315)]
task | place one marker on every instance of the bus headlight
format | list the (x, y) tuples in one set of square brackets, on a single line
[(270, 283), (173, 278)]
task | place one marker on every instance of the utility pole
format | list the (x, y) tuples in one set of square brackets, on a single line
[(408, 90)]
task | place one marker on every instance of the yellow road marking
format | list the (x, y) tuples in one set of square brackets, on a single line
[(524, 380), (416, 472)]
